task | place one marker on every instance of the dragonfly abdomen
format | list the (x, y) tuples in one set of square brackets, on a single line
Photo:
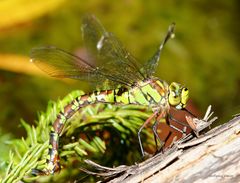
[(106, 96), (149, 93)]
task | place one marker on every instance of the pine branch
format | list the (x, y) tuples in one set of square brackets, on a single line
[(86, 134)]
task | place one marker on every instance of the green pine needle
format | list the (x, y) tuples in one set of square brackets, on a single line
[(91, 133)]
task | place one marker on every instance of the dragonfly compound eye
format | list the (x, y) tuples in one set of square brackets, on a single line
[(173, 99), (184, 96), (174, 94)]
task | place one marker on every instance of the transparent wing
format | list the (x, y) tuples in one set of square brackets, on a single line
[(150, 67), (115, 65), (109, 52), (61, 64)]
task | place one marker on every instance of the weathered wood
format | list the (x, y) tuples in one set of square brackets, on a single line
[(212, 157), (216, 160)]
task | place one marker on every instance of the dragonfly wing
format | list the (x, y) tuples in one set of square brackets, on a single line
[(58, 63), (107, 50), (150, 67), (61, 64)]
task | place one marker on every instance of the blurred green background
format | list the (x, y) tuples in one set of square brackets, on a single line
[(204, 55)]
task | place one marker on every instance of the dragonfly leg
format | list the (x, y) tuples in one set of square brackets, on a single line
[(183, 131), (141, 128), (177, 121), (156, 136), (161, 149)]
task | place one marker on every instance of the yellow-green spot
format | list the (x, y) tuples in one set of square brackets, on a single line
[(55, 137), (152, 92), (92, 97), (75, 103), (109, 97), (63, 118), (81, 102), (139, 97), (73, 107), (123, 98), (131, 99)]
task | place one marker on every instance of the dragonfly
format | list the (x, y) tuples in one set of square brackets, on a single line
[(126, 81)]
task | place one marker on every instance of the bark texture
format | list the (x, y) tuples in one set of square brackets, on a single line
[(212, 157)]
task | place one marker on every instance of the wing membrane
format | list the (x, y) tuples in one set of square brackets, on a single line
[(109, 52), (61, 64), (58, 63), (150, 67), (115, 65)]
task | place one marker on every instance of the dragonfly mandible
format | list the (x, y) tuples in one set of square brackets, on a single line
[(129, 82)]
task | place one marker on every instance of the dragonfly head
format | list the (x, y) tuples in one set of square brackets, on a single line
[(178, 95)]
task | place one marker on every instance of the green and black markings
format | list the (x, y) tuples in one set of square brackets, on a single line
[(117, 67)]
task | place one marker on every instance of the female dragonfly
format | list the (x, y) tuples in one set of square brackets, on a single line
[(129, 82)]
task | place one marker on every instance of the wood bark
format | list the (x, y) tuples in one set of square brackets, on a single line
[(212, 157)]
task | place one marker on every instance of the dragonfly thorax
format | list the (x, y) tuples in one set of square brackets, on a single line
[(152, 92), (178, 95)]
